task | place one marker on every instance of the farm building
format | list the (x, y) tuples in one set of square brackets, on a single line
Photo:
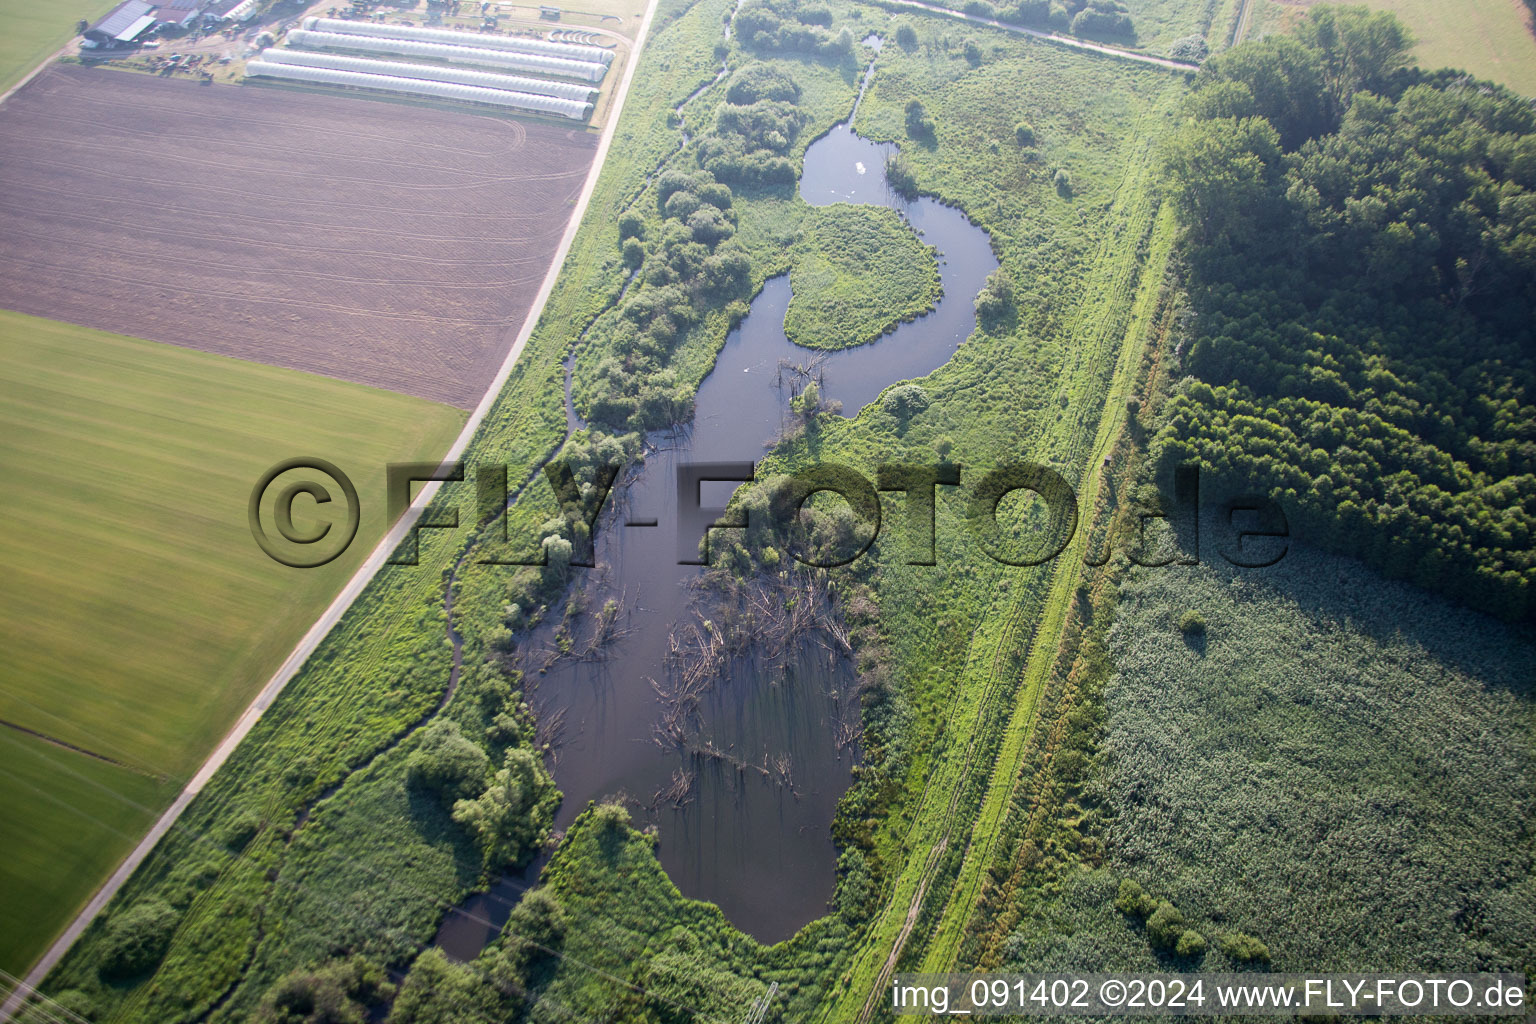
[(179, 13), (230, 10), (517, 44), (574, 109), (586, 71), (131, 20), (431, 72), (122, 26)]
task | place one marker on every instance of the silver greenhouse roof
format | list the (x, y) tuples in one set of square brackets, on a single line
[(431, 72), (573, 109), (586, 71), (518, 44)]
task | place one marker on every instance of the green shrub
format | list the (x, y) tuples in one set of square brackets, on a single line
[(439, 991), (900, 177), (1190, 48), (1102, 24), (1192, 623), (633, 253), (137, 938), (1028, 12), (511, 817), (339, 992), (1191, 943), (905, 401), (1024, 133), (1063, 182), (919, 125), (447, 762), (761, 82), (1132, 900), (1243, 948), (995, 302), (240, 830), (631, 225), (534, 933), (1165, 926), (906, 36)]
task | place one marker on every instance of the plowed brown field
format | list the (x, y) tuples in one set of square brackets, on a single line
[(385, 243)]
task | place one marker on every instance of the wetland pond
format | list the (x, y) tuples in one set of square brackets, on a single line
[(743, 792)]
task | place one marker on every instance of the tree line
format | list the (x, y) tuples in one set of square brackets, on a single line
[(1360, 238)]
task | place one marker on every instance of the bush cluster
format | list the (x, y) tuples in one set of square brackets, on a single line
[(1101, 19), (687, 267), (771, 26)]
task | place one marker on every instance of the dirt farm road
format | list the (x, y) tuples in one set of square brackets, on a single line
[(365, 573)]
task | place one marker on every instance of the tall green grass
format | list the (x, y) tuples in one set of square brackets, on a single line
[(1339, 766)]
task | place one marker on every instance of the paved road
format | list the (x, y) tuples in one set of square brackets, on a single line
[(355, 585), (1069, 41)]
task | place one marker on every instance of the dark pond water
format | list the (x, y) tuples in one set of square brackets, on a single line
[(743, 802)]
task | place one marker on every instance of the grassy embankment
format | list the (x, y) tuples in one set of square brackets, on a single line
[(144, 614), (1161, 23), (980, 702), (1215, 734)]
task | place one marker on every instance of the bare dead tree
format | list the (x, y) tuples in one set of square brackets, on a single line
[(551, 731)]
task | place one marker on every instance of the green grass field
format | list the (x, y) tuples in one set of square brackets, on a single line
[(1490, 38), (69, 820), (33, 31), (141, 614)]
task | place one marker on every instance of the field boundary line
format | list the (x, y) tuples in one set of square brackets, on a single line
[(55, 55), (360, 579), (73, 748)]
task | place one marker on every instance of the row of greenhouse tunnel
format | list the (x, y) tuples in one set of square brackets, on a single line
[(499, 69)]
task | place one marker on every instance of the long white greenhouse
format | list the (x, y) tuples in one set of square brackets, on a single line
[(519, 44), (441, 90), (586, 71), (431, 73)]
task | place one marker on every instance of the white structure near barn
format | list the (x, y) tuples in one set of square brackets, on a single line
[(587, 71), (432, 72), (517, 44), (574, 109)]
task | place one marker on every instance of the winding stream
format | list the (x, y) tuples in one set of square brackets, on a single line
[(753, 833)]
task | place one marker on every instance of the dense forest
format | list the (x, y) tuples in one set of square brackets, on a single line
[(1361, 245)]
